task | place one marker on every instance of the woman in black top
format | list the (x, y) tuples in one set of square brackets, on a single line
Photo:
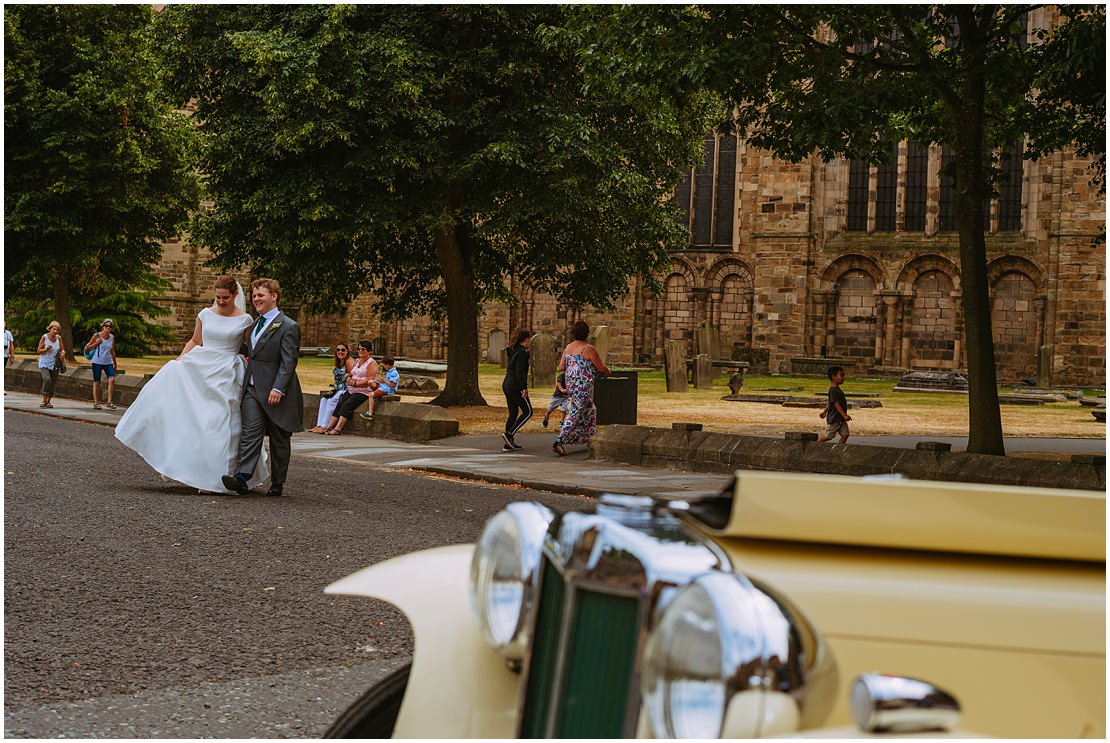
[(515, 388)]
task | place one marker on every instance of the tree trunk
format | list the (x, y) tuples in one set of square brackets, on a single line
[(61, 312), (461, 387), (984, 417)]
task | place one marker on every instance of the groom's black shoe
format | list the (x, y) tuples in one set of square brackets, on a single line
[(236, 484), (275, 490)]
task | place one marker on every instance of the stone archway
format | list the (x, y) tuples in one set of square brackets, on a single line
[(847, 308), (1017, 316), (932, 321), (670, 316), (732, 294)]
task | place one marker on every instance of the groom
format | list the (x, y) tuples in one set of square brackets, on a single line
[(272, 404)]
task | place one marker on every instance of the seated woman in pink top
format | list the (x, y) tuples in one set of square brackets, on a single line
[(360, 385)]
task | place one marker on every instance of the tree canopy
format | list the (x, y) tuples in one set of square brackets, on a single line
[(846, 81), (96, 171), (426, 153)]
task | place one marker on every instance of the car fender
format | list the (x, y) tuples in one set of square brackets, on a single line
[(459, 687)]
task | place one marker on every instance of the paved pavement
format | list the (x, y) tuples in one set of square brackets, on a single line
[(479, 457)]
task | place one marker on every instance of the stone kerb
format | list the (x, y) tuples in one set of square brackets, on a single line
[(723, 453), (393, 419), (621, 443)]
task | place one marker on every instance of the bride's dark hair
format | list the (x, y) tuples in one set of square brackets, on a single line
[(229, 283)]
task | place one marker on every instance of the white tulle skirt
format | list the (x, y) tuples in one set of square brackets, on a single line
[(186, 422)]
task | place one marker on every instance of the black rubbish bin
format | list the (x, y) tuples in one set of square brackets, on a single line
[(615, 398)]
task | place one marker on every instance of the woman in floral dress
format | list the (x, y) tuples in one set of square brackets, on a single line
[(582, 363)]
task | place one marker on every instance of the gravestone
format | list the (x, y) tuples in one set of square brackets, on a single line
[(602, 342), (674, 365), (922, 381), (707, 340), (543, 362), (757, 359), (703, 371), (496, 343)]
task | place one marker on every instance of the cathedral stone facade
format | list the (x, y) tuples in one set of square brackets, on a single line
[(814, 260)]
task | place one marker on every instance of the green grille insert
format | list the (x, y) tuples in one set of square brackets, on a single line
[(545, 648), (599, 673)]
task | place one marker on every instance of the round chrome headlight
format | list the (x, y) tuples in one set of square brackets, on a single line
[(730, 659), (503, 575)]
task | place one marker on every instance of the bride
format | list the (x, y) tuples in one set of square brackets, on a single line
[(186, 421)]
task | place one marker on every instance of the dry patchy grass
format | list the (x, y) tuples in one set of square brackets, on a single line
[(901, 414)]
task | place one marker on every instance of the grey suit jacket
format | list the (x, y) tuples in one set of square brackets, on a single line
[(273, 365)]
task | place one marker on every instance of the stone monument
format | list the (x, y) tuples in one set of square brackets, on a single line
[(543, 362), (602, 343), (938, 381), (674, 364), (736, 381), (707, 340), (703, 371), (496, 343)]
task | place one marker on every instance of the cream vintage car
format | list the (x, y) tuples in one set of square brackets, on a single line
[(790, 605)]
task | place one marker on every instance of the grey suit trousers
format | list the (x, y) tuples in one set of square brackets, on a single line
[(257, 426)]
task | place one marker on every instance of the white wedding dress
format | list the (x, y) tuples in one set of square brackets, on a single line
[(186, 422)]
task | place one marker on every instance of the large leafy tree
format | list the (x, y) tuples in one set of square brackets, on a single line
[(96, 171), (848, 80), (426, 153)]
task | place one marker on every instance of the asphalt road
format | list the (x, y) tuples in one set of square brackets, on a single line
[(140, 608)]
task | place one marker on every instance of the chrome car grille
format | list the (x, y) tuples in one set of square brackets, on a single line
[(582, 665), (603, 576)]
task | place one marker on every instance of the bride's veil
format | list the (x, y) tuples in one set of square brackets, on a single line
[(240, 299)]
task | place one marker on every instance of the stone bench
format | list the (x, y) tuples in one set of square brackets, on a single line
[(393, 419), (434, 369)]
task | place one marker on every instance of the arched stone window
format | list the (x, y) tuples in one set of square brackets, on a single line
[(707, 195)]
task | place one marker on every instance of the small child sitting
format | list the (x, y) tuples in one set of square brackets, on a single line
[(390, 376), (559, 399)]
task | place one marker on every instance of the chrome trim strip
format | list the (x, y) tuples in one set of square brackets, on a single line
[(898, 704)]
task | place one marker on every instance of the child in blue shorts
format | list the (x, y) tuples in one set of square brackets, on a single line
[(559, 399)]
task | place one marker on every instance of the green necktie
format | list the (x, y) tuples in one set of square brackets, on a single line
[(258, 325)]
